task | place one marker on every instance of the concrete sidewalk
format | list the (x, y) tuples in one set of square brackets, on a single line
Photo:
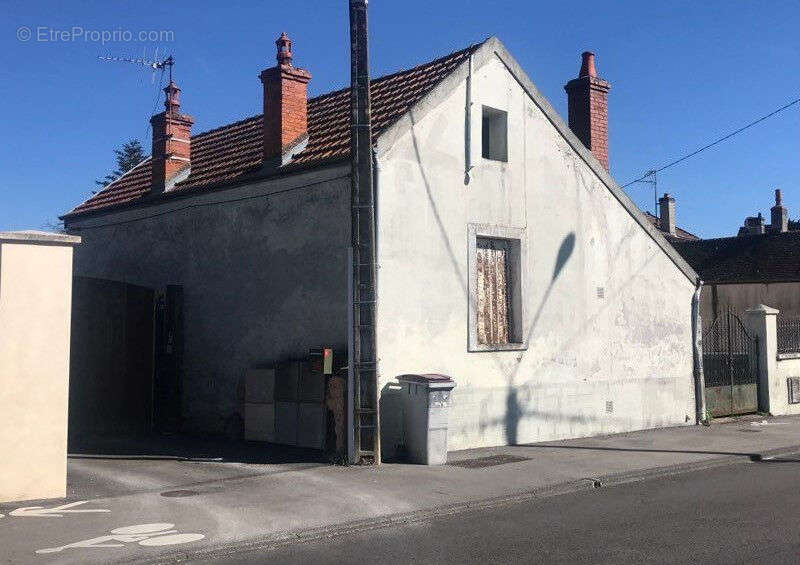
[(218, 507)]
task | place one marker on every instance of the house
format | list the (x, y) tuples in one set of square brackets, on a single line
[(758, 266), (509, 259), (743, 271)]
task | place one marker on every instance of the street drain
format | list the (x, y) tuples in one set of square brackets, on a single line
[(179, 493), (491, 461), (749, 430)]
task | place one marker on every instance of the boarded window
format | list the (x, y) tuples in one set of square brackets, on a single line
[(494, 261)]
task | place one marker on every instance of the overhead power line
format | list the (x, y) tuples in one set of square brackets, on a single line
[(713, 143)]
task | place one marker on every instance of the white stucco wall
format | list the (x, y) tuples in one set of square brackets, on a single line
[(632, 348), (788, 365), (35, 292)]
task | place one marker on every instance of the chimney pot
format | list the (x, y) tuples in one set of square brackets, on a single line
[(587, 65), (587, 102), (284, 44)]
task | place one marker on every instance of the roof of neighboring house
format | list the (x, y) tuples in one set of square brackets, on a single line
[(680, 234), (233, 152), (764, 258)]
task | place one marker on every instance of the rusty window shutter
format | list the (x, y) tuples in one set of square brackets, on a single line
[(493, 296)]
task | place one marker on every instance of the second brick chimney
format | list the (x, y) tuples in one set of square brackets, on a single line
[(172, 133), (285, 102), (587, 100)]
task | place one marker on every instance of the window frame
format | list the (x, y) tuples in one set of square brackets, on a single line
[(489, 114), (517, 243)]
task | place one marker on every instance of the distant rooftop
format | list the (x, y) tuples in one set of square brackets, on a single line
[(766, 258), (680, 234)]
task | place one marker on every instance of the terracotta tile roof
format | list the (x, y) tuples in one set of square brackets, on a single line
[(680, 235), (746, 259), (234, 151)]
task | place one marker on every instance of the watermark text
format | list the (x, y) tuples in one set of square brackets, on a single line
[(47, 34)]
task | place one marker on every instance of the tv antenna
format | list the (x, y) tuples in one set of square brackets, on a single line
[(155, 64), (166, 63)]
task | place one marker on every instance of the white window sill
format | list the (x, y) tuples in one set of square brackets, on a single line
[(783, 356), (498, 347)]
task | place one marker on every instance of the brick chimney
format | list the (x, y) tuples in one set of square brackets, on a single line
[(171, 142), (285, 102), (666, 207), (587, 100), (779, 215)]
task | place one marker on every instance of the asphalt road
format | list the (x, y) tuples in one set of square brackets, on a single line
[(743, 513)]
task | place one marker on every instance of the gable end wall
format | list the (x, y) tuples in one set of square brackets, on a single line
[(607, 325)]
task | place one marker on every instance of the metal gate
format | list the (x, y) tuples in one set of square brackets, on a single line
[(730, 365)]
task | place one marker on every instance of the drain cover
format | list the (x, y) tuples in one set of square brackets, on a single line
[(751, 430), (491, 461), (179, 493)]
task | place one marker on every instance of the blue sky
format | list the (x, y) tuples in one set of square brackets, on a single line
[(682, 74)]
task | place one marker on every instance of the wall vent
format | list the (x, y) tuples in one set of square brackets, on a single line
[(609, 406), (793, 386), (601, 292)]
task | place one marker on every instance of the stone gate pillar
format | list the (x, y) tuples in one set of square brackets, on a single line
[(761, 322)]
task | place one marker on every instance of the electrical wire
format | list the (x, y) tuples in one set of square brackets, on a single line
[(713, 143)]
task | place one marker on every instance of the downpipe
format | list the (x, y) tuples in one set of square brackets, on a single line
[(697, 358)]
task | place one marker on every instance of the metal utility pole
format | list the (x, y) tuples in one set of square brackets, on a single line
[(366, 421)]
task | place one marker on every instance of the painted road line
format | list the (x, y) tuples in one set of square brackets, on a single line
[(150, 535), (56, 512)]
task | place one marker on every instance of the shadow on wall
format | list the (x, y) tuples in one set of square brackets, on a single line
[(514, 411), (392, 425)]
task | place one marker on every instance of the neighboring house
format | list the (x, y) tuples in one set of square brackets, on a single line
[(745, 271), (508, 257), (759, 266)]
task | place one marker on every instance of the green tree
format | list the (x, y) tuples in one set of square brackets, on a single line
[(127, 156)]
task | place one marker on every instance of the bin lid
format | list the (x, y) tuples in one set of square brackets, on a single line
[(425, 378)]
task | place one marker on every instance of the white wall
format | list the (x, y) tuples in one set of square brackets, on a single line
[(35, 294), (632, 348), (788, 365)]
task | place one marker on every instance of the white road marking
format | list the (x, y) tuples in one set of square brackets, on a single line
[(57, 512), (151, 535), (766, 423)]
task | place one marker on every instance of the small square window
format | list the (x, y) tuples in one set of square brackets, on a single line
[(494, 134)]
